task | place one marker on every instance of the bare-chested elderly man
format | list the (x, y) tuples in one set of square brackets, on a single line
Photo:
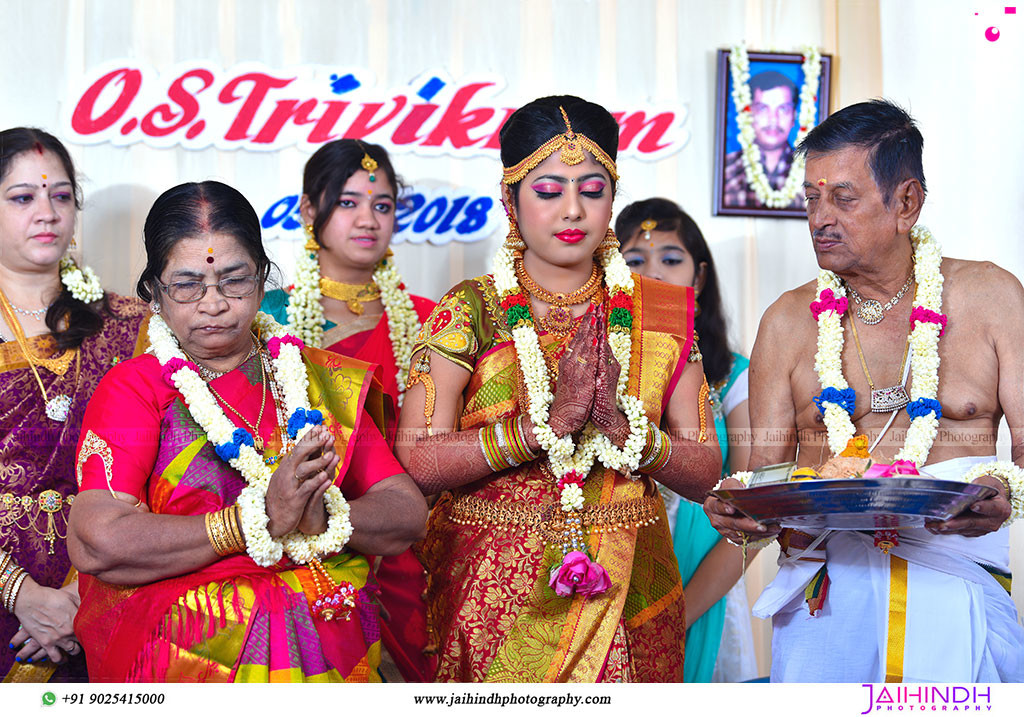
[(936, 606)]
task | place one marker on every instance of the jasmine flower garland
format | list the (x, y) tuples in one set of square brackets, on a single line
[(1012, 477), (306, 315), (235, 445), (926, 325), (569, 462)]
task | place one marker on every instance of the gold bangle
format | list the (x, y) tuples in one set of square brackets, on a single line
[(227, 538), (210, 536), (215, 532), (236, 532), (16, 588), (7, 562), (8, 573), (236, 515)]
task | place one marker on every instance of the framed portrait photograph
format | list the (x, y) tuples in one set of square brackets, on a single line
[(765, 103)]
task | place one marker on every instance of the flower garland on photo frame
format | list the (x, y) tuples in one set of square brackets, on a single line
[(836, 401), (235, 445), (739, 68), (306, 314)]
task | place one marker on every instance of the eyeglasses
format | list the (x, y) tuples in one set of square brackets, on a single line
[(189, 292)]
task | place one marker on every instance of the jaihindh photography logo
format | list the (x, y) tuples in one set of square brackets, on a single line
[(928, 698)]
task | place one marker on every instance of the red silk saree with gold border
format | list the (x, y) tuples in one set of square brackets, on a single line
[(491, 610), (231, 621)]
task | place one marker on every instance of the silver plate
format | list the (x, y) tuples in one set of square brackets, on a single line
[(856, 503)]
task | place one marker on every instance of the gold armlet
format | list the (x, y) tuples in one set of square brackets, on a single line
[(702, 398), (421, 374)]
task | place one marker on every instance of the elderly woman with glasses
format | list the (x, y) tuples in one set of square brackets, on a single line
[(224, 514)]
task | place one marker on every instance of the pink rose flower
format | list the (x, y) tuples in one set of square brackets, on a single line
[(578, 573), (896, 468)]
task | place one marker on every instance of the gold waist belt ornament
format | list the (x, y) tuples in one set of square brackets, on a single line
[(14, 508), (549, 520)]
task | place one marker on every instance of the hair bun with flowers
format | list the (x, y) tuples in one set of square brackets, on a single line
[(82, 282)]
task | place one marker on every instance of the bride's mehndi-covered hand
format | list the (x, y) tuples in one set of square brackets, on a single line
[(305, 471), (605, 413), (574, 393)]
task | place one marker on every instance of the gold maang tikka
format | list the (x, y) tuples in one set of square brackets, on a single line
[(648, 225), (368, 163), (570, 145)]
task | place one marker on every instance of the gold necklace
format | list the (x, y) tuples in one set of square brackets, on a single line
[(287, 444), (871, 311), (256, 439), (354, 295), (884, 400), (58, 408), (559, 318)]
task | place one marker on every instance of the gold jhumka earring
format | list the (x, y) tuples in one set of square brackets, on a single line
[(610, 241), (513, 240), (311, 245)]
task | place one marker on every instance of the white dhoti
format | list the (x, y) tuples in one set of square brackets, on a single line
[(926, 612)]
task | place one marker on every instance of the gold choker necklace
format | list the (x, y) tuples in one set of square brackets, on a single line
[(354, 295), (559, 319)]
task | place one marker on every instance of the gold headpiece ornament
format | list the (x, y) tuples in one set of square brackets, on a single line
[(571, 146), (368, 163), (648, 225)]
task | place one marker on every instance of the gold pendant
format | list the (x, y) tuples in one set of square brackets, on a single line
[(257, 443), (355, 306), (559, 320)]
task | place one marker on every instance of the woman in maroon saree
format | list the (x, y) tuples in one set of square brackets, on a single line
[(349, 299), (55, 348)]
